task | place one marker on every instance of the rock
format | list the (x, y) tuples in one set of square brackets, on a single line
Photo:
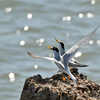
[(92, 98), (86, 81), (80, 98), (81, 76), (80, 86), (54, 88), (54, 83)]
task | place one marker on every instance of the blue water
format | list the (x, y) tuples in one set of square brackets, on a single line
[(31, 25)]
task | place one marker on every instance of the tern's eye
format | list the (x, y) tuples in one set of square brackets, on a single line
[(62, 45)]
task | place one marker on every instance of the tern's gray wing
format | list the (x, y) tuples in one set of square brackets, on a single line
[(76, 64), (59, 64), (71, 52), (35, 56)]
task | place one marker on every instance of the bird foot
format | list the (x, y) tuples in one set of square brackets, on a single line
[(63, 77)]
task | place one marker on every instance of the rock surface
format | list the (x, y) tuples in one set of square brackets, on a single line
[(54, 88)]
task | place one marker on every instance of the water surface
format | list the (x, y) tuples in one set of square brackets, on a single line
[(31, 25)]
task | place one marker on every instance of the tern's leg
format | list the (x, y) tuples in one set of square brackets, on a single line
[(63, 77), (68, 76), (59, 72)]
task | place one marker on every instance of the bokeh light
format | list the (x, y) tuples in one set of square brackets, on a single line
[(11, 77), (93, 2), (50, 55), (91, 42), (68, 18), (40, 41), (29, 16), (35, 66), (80, 15), (98, 42), (18, 32), (78, 54), (67, 34), (8, 10), (90, 15), (26, 28), (22, 42)]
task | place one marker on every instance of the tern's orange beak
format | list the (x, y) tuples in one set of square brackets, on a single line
[(49, 47), (57, 40)]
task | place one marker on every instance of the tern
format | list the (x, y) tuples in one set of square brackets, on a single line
[(57, 61), (63, 60), (72, 62)]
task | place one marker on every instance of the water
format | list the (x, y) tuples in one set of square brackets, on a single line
[(31, 25)]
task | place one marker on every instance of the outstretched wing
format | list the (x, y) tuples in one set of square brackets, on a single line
[(35, 56), (71, 52), (59, 64)]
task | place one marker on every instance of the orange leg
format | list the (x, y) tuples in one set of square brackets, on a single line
[(69, 77), (63, 77)]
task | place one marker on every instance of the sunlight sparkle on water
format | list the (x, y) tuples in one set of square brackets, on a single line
[(50, 55), (22, 42), (78, 54), (67, 34), (64, 18), (98, 42), (91, 42), (8, 10), (80, 15), (29, 16), (26, 28), (93, 2), (68, 18), (11, 77), (18, 32), (35, 66), (90, 15), (40, 41)]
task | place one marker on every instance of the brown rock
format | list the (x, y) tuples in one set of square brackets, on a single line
[(54, 83), (86, 81), (90, 98), (54, 88), (80, 86), (80, 98)]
